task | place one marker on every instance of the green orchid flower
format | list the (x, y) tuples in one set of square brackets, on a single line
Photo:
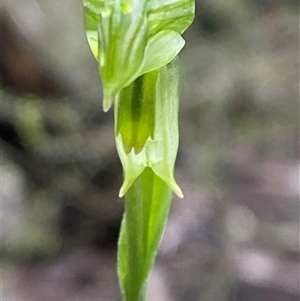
[(136, 43), (132, 37), (146, 114)]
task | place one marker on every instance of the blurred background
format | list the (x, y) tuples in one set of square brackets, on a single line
[(235, 235)]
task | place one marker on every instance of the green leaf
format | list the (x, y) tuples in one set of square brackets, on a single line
[(147, 204)]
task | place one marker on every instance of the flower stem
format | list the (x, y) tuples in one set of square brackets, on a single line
[(147, 205)]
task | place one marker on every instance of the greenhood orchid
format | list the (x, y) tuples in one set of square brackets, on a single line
[(132, 37), (136, 43), (147, 126)]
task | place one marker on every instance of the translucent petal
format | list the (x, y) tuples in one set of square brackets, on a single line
[(161, 50)]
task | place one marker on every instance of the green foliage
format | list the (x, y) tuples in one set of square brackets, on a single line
[(146, 209)]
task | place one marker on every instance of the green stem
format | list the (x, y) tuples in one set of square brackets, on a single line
[(147, 205)]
